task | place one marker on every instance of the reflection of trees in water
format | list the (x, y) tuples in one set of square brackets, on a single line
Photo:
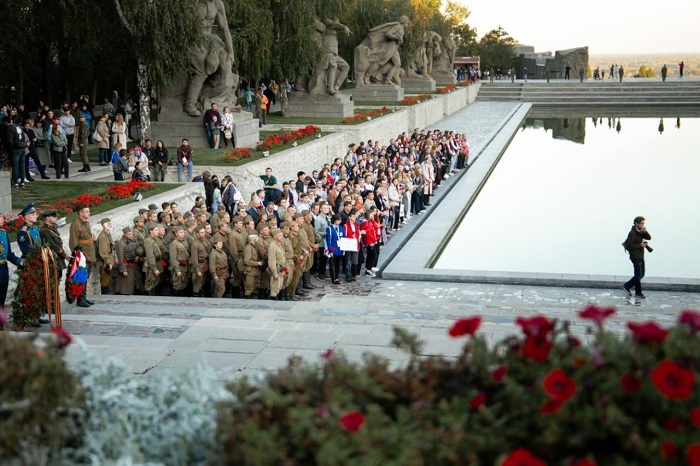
[(574, 129)]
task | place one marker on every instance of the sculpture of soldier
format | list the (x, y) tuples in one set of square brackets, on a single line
[(377, 57)]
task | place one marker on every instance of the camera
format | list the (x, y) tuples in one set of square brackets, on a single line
[(649, 248)]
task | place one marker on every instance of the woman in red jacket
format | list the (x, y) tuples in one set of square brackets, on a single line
[(372, 233), (351, 264)]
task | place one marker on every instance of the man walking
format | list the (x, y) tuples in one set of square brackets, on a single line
[(635, 244)]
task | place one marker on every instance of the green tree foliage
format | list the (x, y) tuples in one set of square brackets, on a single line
[(252, 31), (456, 16), (496, 49), (294, 48), (644, 72)]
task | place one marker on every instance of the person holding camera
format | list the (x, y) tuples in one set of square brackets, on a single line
[(635, 244)]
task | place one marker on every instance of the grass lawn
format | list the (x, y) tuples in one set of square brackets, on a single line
[(48, 192)]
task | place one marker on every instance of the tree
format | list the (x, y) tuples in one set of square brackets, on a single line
[(644, 72), (160, 34), (252, 31), (456, 16), (496, 49)]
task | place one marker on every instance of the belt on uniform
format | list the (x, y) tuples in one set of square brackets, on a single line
[(201, 261), (85, 241), (184, 263), (3, 261), (221, 268)]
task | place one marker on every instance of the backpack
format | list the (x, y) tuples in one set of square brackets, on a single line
[(18, 141)]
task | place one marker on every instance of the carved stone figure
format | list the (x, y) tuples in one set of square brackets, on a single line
[(211, 66), (418, 65), (331, 70), (444, 63), (377, 58), (432, 48)]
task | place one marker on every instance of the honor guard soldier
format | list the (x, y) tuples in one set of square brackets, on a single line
[(52, 239), (129, 276), (276, 263), (253, 264), (198, 259), (28, 234), (153, 266), (236, 244), (180, 262), (218, 267), (107, 255)]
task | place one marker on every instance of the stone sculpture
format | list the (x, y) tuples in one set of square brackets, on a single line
[(331, 70), (211, 66), (418, 65), (444, 57), (377, 58), (432, 47)]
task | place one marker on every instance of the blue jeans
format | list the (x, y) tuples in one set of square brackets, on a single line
[(636, 280), (18, 166), (104, 154), (349, 259), (180, 168), (209, 138)]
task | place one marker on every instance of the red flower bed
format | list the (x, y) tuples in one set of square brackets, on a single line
[(446, 89), (465, 83), (362, 116), (235, 155), (282, 139), (414, 100)]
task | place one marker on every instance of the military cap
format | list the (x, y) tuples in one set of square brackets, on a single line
[(298, 215), (142, 211), (137, 220), (286, 225), (153, 226), (190, 222), (50, 213), (152, 211), (248, 219), (261, 226), (276, 232), (305, 212), (177, 228), (152, 207), (105, 220), (176, 215), (187, 215), (78, 207), (126, 230)]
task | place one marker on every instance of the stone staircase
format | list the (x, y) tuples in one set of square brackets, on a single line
[(645, 93)]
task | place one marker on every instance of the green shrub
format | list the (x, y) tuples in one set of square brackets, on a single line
[(38, 397), (542, 398)]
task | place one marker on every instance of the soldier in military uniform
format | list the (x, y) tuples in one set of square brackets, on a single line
[(295, 237), (262, 245), (6, 254), (52, 239), (129, 276), (221, 234), (253, 263), (179, 262), (289, 258), (107, 256), (153, 266), (198, 259), (218, 267), (140, 234), (314, 241), (165, 258), (236, 244), (28, 234), (276, 264), (81, 235)]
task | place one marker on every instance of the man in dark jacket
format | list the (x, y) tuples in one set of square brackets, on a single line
[(635, 244)]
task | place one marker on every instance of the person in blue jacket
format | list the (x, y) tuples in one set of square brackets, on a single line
[(333, 234), (6, 255), (28, 234)]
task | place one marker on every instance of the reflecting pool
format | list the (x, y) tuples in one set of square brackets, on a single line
[(563, 196)]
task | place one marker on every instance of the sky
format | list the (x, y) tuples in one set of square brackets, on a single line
[(605, 26)]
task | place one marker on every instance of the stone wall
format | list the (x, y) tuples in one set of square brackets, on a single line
[(5, 193)]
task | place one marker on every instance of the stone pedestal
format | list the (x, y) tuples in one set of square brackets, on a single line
[(303, 104), (171, 129), (379, 93), (418, 84), (6, 194), (444, 79)]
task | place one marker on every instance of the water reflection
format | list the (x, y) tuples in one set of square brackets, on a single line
[(574, 129)]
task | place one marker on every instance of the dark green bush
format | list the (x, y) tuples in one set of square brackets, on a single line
[(542, 398), (38, 394)]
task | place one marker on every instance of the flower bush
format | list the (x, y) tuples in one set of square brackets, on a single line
[(124, 190), (363, 116), (542, 398), (236, 155), (29, 298), (446, 89), (415, 99), (465, 83), (286, 138), (38, 399)]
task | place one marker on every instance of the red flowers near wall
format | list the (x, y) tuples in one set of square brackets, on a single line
[(281, 139)]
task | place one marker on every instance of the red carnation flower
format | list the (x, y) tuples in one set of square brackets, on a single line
[(597, 314), (63, 337), (647, 332), (522, 457), (352, 421), (323, 411), (693, 454), (327, 354), (674, 425), (537, 326), (465, 326), (630, 383), (673, 381), (668, 450), (537, 348), (583, 462), (695, 416), (691, 319), (478, 400), (499, 373), (558, 385), (551, 406)]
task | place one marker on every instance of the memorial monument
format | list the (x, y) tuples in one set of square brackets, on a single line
[(318, 94), (418, 77), (208, 79), (443, 66), (378, 65)]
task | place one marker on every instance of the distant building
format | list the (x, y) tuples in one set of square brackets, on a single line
[(537, 62)]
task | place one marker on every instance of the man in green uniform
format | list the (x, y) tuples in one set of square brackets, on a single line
[(81, 235), (153, 266), (236, 244), (263, 245), (179, 262), (198, 260), (218, 267), (253, 263), (128, 274), (107, 256), (276, 265)]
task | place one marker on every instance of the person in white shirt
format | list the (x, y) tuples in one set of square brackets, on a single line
[(68, 125)]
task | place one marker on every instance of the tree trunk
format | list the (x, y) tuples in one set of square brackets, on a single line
[(20, 83), (144, 102)]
